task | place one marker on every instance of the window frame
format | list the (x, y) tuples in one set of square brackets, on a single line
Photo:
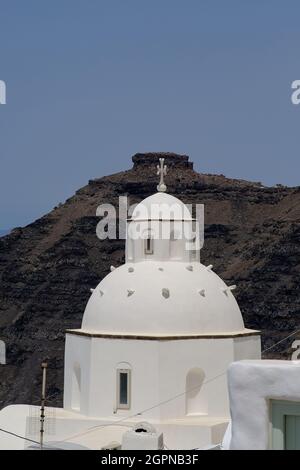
[(123, 406), (149, 238), (279, 410)]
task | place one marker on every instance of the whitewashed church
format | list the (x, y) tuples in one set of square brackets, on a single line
[(158, 333), (157, 336)]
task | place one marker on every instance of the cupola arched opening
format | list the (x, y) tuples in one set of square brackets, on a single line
[(148, 237)]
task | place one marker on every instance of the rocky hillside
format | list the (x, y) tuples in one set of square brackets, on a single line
[(252, 237), (4, 232)]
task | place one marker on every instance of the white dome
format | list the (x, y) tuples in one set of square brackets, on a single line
[(161, 206), (162, 298)]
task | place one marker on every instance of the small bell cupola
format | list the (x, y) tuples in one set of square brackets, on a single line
[(161, 228)]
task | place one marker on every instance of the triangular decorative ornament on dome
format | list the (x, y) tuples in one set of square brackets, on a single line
[(202, 292), (162, 171)]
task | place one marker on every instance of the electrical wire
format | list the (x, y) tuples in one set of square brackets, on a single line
[(281, 341), (18, 435), (99, 427), (102, 426), (48, 446)]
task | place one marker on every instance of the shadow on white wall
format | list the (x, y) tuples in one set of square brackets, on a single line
[(195, 402)]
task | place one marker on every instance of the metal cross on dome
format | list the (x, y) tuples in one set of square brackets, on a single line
[(162, 171)]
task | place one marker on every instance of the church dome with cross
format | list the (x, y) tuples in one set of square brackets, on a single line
[(157, 336), (157, 326), (162, 289)]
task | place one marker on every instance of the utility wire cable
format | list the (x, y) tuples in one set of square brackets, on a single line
[(27, 439), (102, 426), (281, 341), (18, 435)]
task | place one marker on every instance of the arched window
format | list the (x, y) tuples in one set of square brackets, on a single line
[(123, 386), (76, 387), (148, 240), (195, 402)]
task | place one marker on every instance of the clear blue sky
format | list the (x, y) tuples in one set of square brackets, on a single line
[(91, 82)]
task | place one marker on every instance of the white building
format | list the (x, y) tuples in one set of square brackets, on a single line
[(157, 337), (265, 405)]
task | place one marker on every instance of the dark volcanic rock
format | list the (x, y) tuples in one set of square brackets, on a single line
[(252, 236)]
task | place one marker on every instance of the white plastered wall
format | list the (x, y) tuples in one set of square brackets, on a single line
[(158, 373), (78, 352), (252, 384)]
